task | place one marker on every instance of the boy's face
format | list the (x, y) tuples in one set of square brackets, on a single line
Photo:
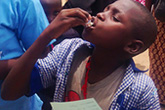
[(51, 8), (112, 27)]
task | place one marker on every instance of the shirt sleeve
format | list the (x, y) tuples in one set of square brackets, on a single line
[(35, 81), (54, 68), (44, 72)]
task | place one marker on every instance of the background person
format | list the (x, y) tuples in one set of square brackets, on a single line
[(21, 22)]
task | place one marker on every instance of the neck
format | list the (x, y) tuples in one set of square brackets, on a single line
[(103, 63)]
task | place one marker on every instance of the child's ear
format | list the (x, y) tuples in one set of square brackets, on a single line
[(134, 47)]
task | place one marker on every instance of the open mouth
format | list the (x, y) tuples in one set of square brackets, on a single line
[(90, 23)]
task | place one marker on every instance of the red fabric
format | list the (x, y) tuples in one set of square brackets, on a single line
[(84, 87)]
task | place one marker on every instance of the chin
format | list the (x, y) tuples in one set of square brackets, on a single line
[(86, 35)]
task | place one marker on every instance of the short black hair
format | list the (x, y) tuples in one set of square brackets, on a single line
[(144, 26)]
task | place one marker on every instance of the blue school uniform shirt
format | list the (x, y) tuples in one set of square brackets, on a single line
[(136, 92), (21, 22)]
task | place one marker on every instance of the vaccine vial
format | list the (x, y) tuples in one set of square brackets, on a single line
[(89, 23)]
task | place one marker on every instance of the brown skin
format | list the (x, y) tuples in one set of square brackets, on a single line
[(51, 8), (112, 40), (110, 51), (5, 67)]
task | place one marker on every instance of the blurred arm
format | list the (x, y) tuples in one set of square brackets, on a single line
[(5, 67), (17, 82)]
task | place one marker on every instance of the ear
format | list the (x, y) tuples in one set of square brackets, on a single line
[(134, 47)]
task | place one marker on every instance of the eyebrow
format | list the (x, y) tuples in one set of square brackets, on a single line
[(114, 9)]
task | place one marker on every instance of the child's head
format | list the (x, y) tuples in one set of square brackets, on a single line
[(51, 8), (124, 27)]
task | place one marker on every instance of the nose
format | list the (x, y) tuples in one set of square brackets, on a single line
[(101, 16)]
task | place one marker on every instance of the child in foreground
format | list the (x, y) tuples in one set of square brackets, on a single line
[(80, 70)]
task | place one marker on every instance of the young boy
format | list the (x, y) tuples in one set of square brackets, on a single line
[(80, 70)]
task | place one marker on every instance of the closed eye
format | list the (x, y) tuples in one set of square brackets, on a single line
[(115, 19)]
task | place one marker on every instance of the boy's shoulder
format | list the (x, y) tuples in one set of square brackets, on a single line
[(142, 84), (67, 49), (137, 82), (140, 78), (137, 91)]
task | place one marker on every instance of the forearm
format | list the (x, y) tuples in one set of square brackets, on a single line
[(5, 67), (17, 82)]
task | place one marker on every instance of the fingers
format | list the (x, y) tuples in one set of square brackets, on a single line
[(76, 22), (77, 14), (85, 16), (66, 19)]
